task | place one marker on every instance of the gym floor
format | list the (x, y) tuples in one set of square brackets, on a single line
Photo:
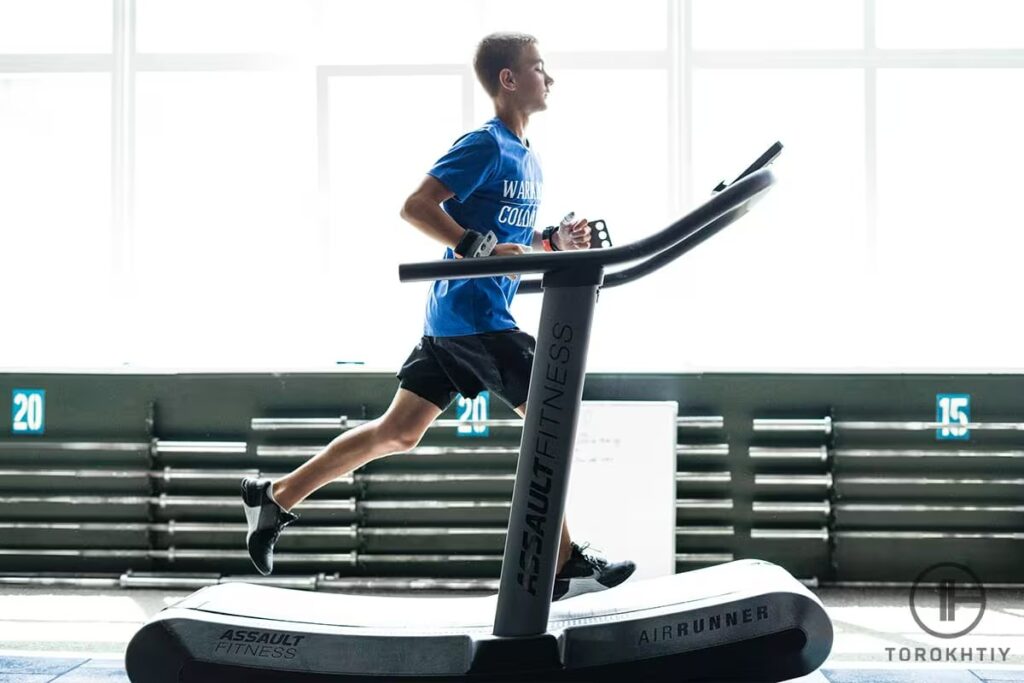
[(79, 636)]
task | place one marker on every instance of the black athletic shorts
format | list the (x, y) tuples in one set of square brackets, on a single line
[(441, 367)]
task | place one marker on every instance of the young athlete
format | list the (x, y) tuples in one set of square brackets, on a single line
[(489, 182)]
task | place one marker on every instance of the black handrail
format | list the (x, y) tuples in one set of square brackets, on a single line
[(621, 277), (726, 206)]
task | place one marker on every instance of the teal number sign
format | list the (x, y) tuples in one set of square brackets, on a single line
[(953, 412), (472, 414), (28, 411)]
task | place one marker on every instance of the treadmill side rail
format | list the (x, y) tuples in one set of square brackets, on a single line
[(712, 625), (292, 649), (663, 627)]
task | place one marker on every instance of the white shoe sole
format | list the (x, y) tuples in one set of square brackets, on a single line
[(581, 586)]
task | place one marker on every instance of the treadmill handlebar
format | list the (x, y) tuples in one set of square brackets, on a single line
[(725, 202), (659, 260)]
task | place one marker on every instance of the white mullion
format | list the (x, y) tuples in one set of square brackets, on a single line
[(858, 59), (777, 59), (686, 143), (117, 222), (82, 63), (332, 70), (944, 59), (323, 146), (468, 85), (129, 135), (628, 60), (871, 137), (121, 93), (212, 62), (675, 108), (566, 60)]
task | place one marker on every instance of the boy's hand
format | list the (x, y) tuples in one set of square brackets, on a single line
[(575, 235), (509, 249)]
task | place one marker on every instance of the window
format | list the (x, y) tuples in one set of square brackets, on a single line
[(221, 26), (778, 24), (55, 235), (226, 231), (949, 233), (950, 24), (55, 26), (375, 318), (236, 168), (802, 249)]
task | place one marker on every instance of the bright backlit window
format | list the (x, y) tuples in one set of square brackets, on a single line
[(234, 169), (56, 256), (55, 26)]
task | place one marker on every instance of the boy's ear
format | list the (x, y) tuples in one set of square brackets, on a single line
[(507, 79)]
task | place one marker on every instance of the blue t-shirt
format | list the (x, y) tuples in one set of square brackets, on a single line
[(497, 184)]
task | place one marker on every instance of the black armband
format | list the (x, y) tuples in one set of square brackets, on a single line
[(475, 245), (547, 237)]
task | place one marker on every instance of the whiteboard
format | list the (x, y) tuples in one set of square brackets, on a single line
[(622, 485)]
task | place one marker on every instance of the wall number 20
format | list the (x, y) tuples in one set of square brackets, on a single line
[(472, 413), (27, 416)]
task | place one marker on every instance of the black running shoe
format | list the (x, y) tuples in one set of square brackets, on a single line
[(266, 519), (584, 573)]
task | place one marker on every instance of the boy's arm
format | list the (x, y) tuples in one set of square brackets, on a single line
[(423, 210), (538, 240), (568, 237)]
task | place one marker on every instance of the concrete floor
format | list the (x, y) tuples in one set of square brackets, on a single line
[(79, 635)]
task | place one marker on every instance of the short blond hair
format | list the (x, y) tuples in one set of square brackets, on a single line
[(495, 52)]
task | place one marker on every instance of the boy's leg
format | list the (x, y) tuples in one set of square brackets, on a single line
[(502, 362), (267, 503), (398, 430)]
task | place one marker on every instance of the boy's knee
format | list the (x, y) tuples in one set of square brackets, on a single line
[(400, 438), (407, 440)]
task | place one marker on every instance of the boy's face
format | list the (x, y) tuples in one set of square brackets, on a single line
[(532, 81)]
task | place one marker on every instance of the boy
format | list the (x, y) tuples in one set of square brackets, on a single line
[(488, 182)]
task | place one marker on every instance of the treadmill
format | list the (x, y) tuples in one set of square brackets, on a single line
[(747, 620)]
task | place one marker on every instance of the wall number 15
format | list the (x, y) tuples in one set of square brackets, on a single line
[(953, 410)]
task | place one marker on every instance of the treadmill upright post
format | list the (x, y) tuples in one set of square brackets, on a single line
[(545, 452)]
